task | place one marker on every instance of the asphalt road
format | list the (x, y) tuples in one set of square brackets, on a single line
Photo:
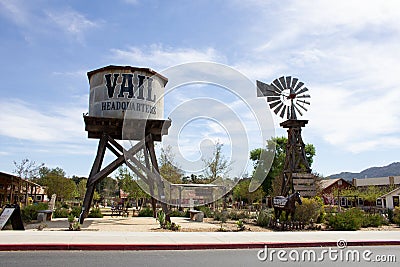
[(205, 258)]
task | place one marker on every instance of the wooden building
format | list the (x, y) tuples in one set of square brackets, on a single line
[(389, 200), (328, 190), (14, 189)]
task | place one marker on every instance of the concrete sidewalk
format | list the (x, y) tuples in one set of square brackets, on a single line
[(90, 240)]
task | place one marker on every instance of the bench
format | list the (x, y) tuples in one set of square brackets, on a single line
[(44, 215), (196, 215)]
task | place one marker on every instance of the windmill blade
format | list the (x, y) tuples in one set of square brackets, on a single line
[(294, 81), (302, 107), (303, 101), (274, 104), (303, 96), (278, 108), (305, 89), (264, 88), (288, 81), (278, 85), (298, 110), (272, 93), (273, 98), (283, 112), (300, 84), (283, 82)]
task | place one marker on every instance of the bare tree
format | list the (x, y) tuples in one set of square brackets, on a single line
[(217, 165), (27, 170)]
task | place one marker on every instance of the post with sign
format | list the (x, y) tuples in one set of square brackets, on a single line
[(126, 103), (13, 213)]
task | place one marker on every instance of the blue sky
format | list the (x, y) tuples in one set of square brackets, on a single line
[(346, 52)]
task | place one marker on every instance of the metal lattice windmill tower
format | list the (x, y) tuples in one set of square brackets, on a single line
[(288, 98)]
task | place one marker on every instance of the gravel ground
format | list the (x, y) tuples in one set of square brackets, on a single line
[(149, 224)]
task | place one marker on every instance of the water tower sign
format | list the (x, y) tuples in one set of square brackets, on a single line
[(115, 90)]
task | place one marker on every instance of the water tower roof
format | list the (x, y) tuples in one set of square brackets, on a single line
[(133, 69)]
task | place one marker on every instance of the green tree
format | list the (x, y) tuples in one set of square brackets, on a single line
[(278, 163), (57, 183), (107, 187), (168, 167), (129, 185), (81, 189), (241, 192)]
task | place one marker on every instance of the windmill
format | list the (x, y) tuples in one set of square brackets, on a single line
[(288, 98)]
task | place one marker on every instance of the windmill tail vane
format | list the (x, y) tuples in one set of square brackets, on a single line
[(286, 96)]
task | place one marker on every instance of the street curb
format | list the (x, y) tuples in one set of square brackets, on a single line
[(203, 246)]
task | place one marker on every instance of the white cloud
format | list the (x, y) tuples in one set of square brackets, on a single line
[(158, 56), (131, 2), (71, 22), (20, 120), (347, 54)]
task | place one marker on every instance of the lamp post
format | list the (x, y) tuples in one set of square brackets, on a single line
[(339, 183)]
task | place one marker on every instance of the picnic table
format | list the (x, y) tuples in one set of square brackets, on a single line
[(119, 211)]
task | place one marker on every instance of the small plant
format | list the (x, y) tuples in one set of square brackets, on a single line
[(41, 226), (223, 219), (240, 225), (206, 210), (390, 215), (396, 216), (173, 226), (76, 226), (237, 215), (161, 218), (264, 218), (164, 224), (146, 212), (95, 213), (61, 213), (76, 211), (71, 218)]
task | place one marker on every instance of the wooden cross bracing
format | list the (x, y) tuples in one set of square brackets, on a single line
[(148, 173)]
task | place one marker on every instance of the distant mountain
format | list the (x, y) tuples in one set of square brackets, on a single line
[(389, 170)]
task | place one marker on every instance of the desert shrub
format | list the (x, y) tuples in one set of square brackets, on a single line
[(146, 212), (311, 209), (220, 216), (237, 215), (390, 215), (76, 211), (264, 218), (240, 225), (61, 213), (348, 220), (29, 213), (206, 210), (95, 213), (373, 220), (178, 213), (396, 216)]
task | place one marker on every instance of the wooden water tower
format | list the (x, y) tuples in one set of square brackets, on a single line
[(126, 103)]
